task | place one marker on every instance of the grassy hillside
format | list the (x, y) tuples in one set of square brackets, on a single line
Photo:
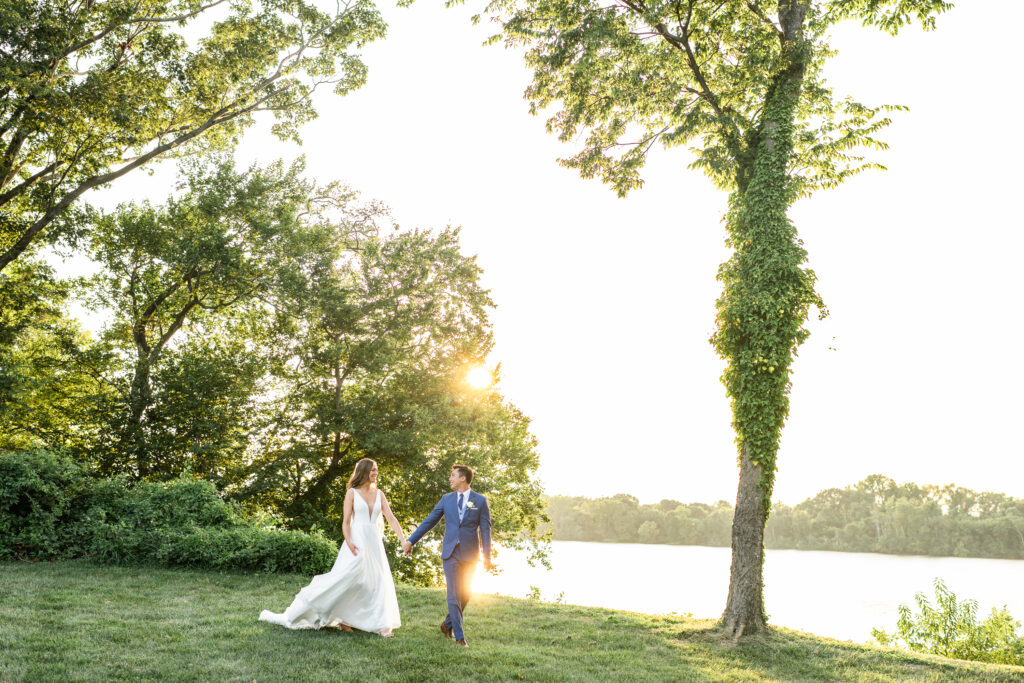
[(77, 621)]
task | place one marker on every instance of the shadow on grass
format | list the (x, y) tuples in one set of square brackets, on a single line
[(784, 654), (143, 623)]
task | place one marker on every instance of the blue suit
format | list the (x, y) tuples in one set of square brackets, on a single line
[(460, 548)]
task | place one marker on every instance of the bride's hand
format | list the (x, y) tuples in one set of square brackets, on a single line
[(352, 547)]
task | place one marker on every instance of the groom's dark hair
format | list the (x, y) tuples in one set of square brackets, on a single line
[(466, 471)]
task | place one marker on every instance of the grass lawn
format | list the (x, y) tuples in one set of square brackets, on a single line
[(78, 621)]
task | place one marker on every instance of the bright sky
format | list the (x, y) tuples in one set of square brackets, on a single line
[(605, 305)]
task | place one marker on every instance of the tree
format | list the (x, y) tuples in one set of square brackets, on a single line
[(263, 336), (950, 628), (874, 515), (233, 240), (205, 401), (648, 532), (375, 366), (740, 80), (30, 297), (91, 90), (54, 390)]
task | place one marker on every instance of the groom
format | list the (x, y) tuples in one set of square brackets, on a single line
[(465, 513)]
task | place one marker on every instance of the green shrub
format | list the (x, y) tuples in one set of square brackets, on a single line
[(951, 629), (183, 503), (50, 508), (37, 490), (248, 549)]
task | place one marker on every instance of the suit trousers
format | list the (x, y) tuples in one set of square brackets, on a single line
[(458, 580)]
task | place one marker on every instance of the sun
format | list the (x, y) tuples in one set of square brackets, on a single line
[(479, 377)]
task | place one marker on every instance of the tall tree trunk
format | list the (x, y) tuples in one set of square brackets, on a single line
[(139, 399), (340, 447), (744, 611), (335, 468), (765, 301)]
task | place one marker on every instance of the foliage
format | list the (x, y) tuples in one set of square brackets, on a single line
[(875, 515), (264, 336), (93, 90), (53, 390), (374, 366), (202, 412), (201, 625), (37, 495), (631, 74), (951, 629), (742, 82), (30, 295), (236, 247), (50, 508), (261, 336), (878, 515), (621, 519)]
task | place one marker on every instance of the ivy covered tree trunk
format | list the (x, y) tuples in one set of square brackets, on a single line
[(766, 297), (742, 84)]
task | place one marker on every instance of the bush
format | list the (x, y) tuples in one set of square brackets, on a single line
[(36, 494), (951, 629), (248, 548), (50, 508)]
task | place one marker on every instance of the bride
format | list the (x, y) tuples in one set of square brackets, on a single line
[(358, 592)]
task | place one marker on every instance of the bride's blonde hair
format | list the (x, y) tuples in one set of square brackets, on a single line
[(361, 473)]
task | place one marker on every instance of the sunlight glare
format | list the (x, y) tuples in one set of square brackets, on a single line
[(479, 377)]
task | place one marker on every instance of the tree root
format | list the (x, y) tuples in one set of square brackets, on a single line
[(736, 627), (738, 632)]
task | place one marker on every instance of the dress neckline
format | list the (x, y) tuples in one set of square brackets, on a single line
[(369, 508)]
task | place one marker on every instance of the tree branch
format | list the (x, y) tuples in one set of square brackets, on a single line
[(28, 182), (180, 17), (179, 320), (224, 116), (140, 20), (753, 7)]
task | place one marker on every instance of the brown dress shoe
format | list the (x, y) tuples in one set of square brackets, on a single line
[(446, 631), (462, 643)]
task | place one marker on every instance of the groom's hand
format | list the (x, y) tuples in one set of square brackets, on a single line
[(407, 548)]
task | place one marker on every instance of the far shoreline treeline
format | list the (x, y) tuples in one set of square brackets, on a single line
[(876, 515)]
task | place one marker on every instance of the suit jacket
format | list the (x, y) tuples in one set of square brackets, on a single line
[(460, 538)]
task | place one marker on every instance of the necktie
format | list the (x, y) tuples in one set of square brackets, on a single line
[(460, 503)]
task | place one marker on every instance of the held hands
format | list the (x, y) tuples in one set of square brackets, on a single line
[(407, 548)]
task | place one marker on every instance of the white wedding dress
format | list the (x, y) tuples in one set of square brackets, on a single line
[(357, 592)]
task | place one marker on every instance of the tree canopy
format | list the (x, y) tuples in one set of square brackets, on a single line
[(627, 75), (91, 90), (375, 366), (232, 242), (264, 332)]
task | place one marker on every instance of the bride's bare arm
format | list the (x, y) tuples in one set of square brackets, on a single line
[(390, 516), (346, 523)]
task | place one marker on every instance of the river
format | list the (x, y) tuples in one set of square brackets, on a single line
[(839, 595)]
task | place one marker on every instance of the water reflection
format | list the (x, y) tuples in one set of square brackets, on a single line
[(840, 595)]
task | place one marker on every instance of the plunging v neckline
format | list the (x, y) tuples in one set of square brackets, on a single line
[(369, 508)]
